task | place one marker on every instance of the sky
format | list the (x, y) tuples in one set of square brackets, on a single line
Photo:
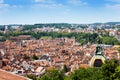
[(58, 11)]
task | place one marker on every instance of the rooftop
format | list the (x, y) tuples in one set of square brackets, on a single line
[(4, 75)]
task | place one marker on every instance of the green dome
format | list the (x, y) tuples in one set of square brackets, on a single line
[(98, 59)]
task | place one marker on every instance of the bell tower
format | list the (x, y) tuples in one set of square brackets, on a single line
[(6, 29), (98, 58)]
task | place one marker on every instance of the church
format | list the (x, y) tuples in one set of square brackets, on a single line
[(98, 58)]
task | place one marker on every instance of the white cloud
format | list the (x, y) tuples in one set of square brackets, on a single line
[(17, 6), (44, 1), (6, 7), (49, 6), (1, 1), (114, 6), (39, 0), (3, 5), (77, 2)]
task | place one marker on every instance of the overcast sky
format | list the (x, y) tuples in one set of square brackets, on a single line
[(58, 11)]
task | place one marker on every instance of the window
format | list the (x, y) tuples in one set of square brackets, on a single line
[(98, 63)]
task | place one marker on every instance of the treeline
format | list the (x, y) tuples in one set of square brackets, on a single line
[(109, 71), (2, 27), (82, 38), (60, 26), (55, 25)]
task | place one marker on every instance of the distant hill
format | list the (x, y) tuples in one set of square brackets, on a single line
[(97, 23), (109, 23), (55, 25), (112, 23)]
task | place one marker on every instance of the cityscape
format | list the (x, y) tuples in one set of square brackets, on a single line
[(59, 40), (34, 49)]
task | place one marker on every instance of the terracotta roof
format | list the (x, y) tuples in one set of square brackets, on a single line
[(4, 75), (84, 65)]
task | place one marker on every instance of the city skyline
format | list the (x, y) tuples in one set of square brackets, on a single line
[(58, 11)]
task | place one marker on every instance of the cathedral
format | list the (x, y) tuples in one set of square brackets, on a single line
[(98, 58)]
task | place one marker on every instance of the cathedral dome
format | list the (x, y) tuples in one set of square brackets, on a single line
[(98, 59)]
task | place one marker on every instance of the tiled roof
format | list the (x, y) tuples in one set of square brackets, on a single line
[(4, 75)]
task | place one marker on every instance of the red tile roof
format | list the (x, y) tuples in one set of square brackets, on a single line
[(4, 75)]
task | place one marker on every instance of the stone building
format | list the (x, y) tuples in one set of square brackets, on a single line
[(98, 58)]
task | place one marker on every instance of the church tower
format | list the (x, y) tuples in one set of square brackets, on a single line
[(98, 58), (6, 29)]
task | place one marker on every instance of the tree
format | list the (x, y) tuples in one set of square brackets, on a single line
[(35, 57), (109, 69), (118, 49), (53, 75), (109, 40), (87, 74), (33, 77), (65, 69), (116, 75)]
